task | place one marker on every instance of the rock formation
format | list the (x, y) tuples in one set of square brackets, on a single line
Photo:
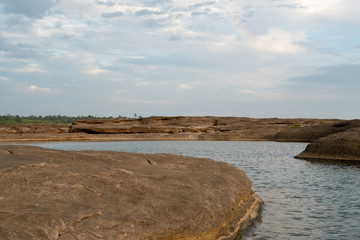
[(85, 195), (311, 133), (34, 128), (166, 128), (342, 146), (194, 128), (202, 128)]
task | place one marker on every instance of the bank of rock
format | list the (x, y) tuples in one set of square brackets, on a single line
[(202, 128), (313, 132), (85, 195), (39, 128), (342, 146)]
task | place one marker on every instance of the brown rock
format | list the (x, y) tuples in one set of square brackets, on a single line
[(175, 128), (314, 132), (34, 128), (66, 195), (206, 128), (343, 146), (140, 129)]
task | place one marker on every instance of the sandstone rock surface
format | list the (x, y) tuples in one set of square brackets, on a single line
[(311, 133), (342, 146), (202, 128), (85, 195), (165, 128), (34, 128)]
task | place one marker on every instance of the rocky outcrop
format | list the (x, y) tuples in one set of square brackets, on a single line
[(313, 132), (180, 128), (203, 128), (342, 146), (34, 128), (84, 195)]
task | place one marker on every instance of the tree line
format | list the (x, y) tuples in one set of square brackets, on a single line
[(10, 119)]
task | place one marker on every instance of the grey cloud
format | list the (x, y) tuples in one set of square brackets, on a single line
[(158, 2), (247, 15), (112, 15), (205, 12), (154, 23), (340, 75), (21, 51), (175, 38), (199, 5), (202, 13), (146, 12), (32, 9), (17, 21), (106, 3), (291, 6), (336, 84), (195, 14)]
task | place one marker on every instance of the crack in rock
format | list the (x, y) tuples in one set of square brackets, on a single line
[(86, 217)]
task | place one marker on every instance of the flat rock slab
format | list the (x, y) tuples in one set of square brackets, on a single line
[(69, 195)]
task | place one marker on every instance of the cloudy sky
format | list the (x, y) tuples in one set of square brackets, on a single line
[(256, 58)]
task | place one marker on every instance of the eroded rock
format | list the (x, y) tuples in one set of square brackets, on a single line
[(343, 146), (34, 128), (84, 195), (203, 128), (313, 132)]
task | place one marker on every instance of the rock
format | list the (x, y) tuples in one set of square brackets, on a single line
[(34, 128), (84, 195), (343, 146), (314, 132), (204, 128), (175, 128)]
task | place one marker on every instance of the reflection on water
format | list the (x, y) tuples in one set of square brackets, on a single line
[(303, 200)]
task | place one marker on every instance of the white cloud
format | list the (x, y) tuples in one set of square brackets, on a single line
[(321, 6), (143, 83), (32, 89), (184, 86), (247, 91), (279, 41), (30, 68), (60, 25), (96, 71), (4, 78), (135, 100)]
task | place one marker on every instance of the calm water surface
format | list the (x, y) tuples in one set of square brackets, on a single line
[(303, 200)]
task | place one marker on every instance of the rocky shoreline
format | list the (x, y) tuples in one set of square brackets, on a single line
[(160, 128), (330, 138), (338, 147), (64, 195), (325, 135)]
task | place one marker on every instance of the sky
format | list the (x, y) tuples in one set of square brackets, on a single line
[(246, 58)]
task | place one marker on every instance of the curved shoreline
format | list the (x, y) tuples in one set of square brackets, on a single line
[(243, 222)]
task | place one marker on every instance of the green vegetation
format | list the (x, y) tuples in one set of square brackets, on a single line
[(295, 126), (9, 119)]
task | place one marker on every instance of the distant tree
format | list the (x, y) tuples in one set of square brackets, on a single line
[(9, 119), (17, 119)]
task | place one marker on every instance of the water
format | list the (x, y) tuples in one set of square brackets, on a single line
[(303, 200)]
